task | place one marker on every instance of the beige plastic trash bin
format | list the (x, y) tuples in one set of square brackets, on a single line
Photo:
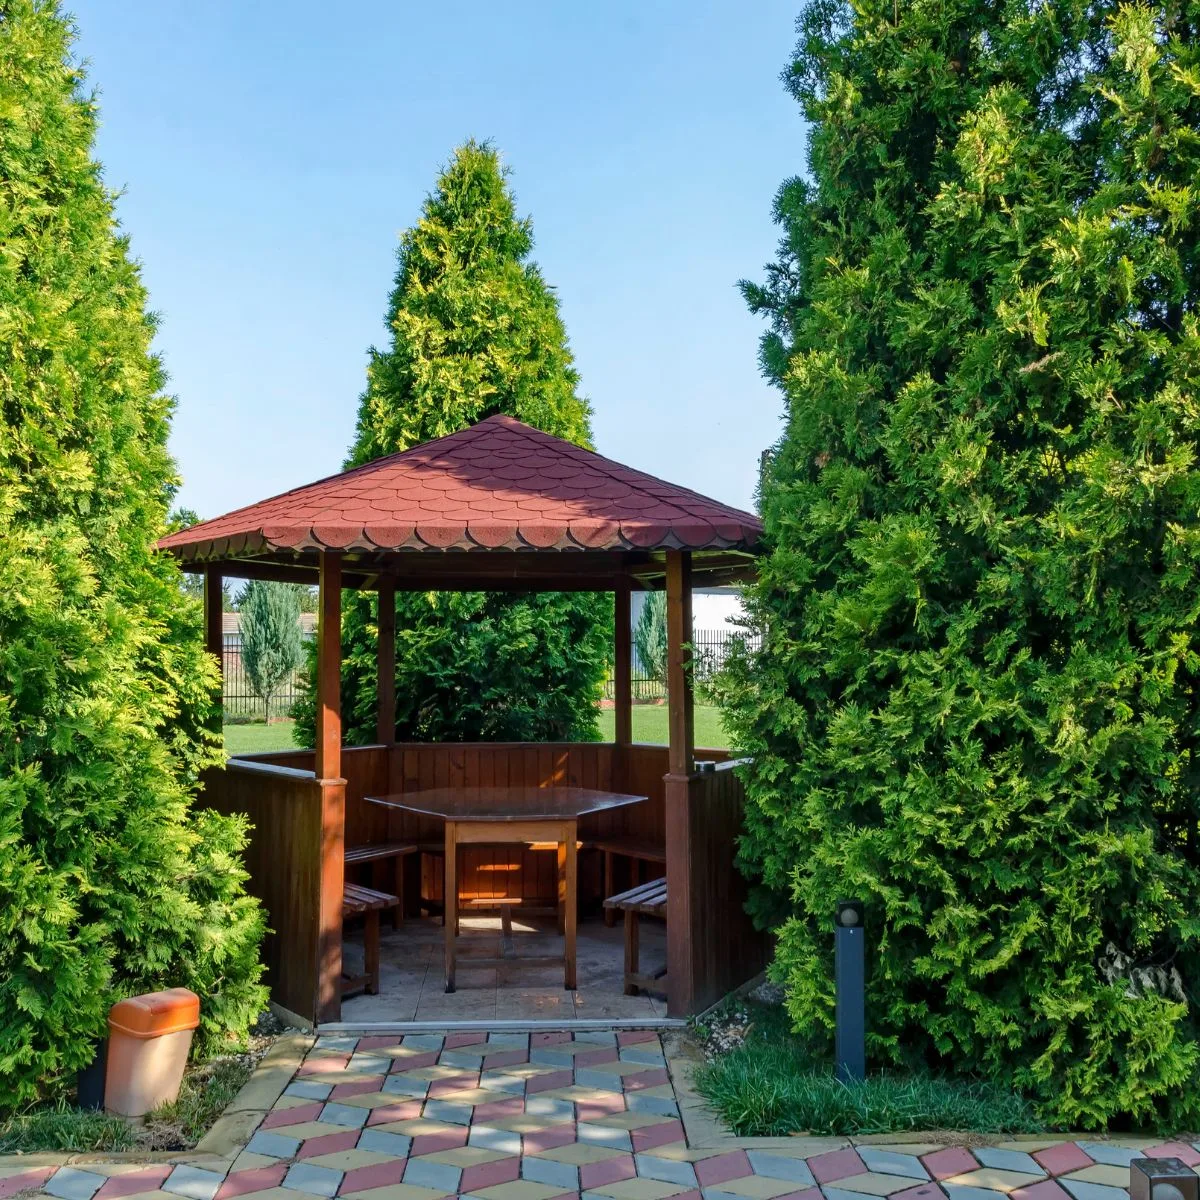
[(148, 1042)]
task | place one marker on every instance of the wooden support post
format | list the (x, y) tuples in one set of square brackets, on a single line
[(328, 771), (623, 663), (681, 758), (214, 609), (385, 665), (677, 787)]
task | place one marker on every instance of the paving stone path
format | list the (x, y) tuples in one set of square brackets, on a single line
[(556, 1116)]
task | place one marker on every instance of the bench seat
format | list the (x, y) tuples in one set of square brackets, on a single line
[(645, 900)]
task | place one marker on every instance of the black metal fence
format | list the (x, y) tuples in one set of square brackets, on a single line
[(710, 649), (241, 701)]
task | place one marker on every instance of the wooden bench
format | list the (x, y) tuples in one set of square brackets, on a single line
[(620, 845), (380, 852), (645, 900), (364, 902)]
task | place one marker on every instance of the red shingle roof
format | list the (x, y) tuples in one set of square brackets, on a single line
[(499, 485)]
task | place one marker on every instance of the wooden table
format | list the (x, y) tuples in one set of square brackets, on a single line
[(499, 816)]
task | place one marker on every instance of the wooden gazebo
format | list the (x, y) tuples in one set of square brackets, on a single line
[(503, 507)]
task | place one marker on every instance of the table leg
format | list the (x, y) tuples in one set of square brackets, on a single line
[(562, 886), (572, 880), (450, 901)]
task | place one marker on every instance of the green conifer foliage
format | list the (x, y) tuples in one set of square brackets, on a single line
[(475, 331), (976, 705), (270, 635), (105, 692)]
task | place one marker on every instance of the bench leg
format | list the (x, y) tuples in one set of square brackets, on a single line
[(371, 952), (610, 917), (398, 911), (633, 930)]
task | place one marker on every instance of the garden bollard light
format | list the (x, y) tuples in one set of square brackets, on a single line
[(850, 980), (1162, 1179), (148, 1042)]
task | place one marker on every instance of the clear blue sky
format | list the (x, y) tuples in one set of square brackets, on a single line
[(270, 153)]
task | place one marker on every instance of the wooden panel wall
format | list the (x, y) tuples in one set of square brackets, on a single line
[(284, 862), (718, 945)]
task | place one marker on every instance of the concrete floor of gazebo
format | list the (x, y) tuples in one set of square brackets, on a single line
[(412, 986)]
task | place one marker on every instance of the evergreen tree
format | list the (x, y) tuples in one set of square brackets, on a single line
[(650, 636), (976, 704), (270, 633), (106, 696), (475, 331)]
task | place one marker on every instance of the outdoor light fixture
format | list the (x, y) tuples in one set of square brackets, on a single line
[(1162, 1179), (850, 979)]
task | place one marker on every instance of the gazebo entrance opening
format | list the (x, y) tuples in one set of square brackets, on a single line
[(498, 506)]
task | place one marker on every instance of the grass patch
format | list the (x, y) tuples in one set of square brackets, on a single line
[(773, 1084), (650, 725), (259, 738), (207, 1089)]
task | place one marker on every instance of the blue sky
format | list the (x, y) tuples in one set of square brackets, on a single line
[(270, 153)]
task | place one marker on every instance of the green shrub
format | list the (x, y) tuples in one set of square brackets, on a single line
[(475, 331), (106, 696), (976, 706)]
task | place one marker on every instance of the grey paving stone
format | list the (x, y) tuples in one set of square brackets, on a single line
[(194, 1183), (309, 1089), (715, 1193), (638, 1102), (780, 1166), (497, 1081), (1006, 1160), (666, 1169), (603, 1135), (547, 1106), (370, 1064), (275, 1145), (494, 1139), (70, 1183), (467, 1057), (335, 1042), (420, 1172), (446, 1110), (423, 1041), (888, 1162), (602, 1081), (507, 1041), (550, 1056), (1092, 1191), (398, 1085), (395, 1144), (546, 1170), (349, 1115), (1114, 1156), (599, 1037), (320, 1181), (643, 1054)]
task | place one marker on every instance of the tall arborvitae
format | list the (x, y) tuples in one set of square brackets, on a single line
[(475, 331), (976, 706), (107, 888)]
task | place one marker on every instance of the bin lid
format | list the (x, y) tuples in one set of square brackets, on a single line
[(156, 1013)]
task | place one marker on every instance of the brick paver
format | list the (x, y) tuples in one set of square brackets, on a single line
[(562, 1116)]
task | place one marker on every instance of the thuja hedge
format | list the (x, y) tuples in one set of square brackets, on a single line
[(976, 707), (109, 883)]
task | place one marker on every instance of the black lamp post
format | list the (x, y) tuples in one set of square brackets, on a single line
[(850, 980)]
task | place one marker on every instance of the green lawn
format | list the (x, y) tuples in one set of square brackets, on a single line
[(649, 725)]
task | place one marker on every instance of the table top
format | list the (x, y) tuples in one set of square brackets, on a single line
[(506, 803)]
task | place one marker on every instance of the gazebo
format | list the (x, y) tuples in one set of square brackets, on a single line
[(499, 506)]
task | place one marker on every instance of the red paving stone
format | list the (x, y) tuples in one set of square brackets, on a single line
[(456, 1040), (1180, 1150), (1060, 1159), (512, 1107), (549, 1139), (655, 1077), (631, 1037), (409, 1110), (941, 1164), (292, 1116), (482, 1175), (376, 1043), (590, 1058), (1047, 1189), (329, 1143), (136, 1181), (650, 1136), (414, 1062), (361, 1179), (722, 1168), (360, 1088), (431, 1143), (547, 1083), (600, 1106), (324, 1066), (611, 1170), (439, 1089), (13, 1184), (505, 1058), (839, 1164), (257, 1179)]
